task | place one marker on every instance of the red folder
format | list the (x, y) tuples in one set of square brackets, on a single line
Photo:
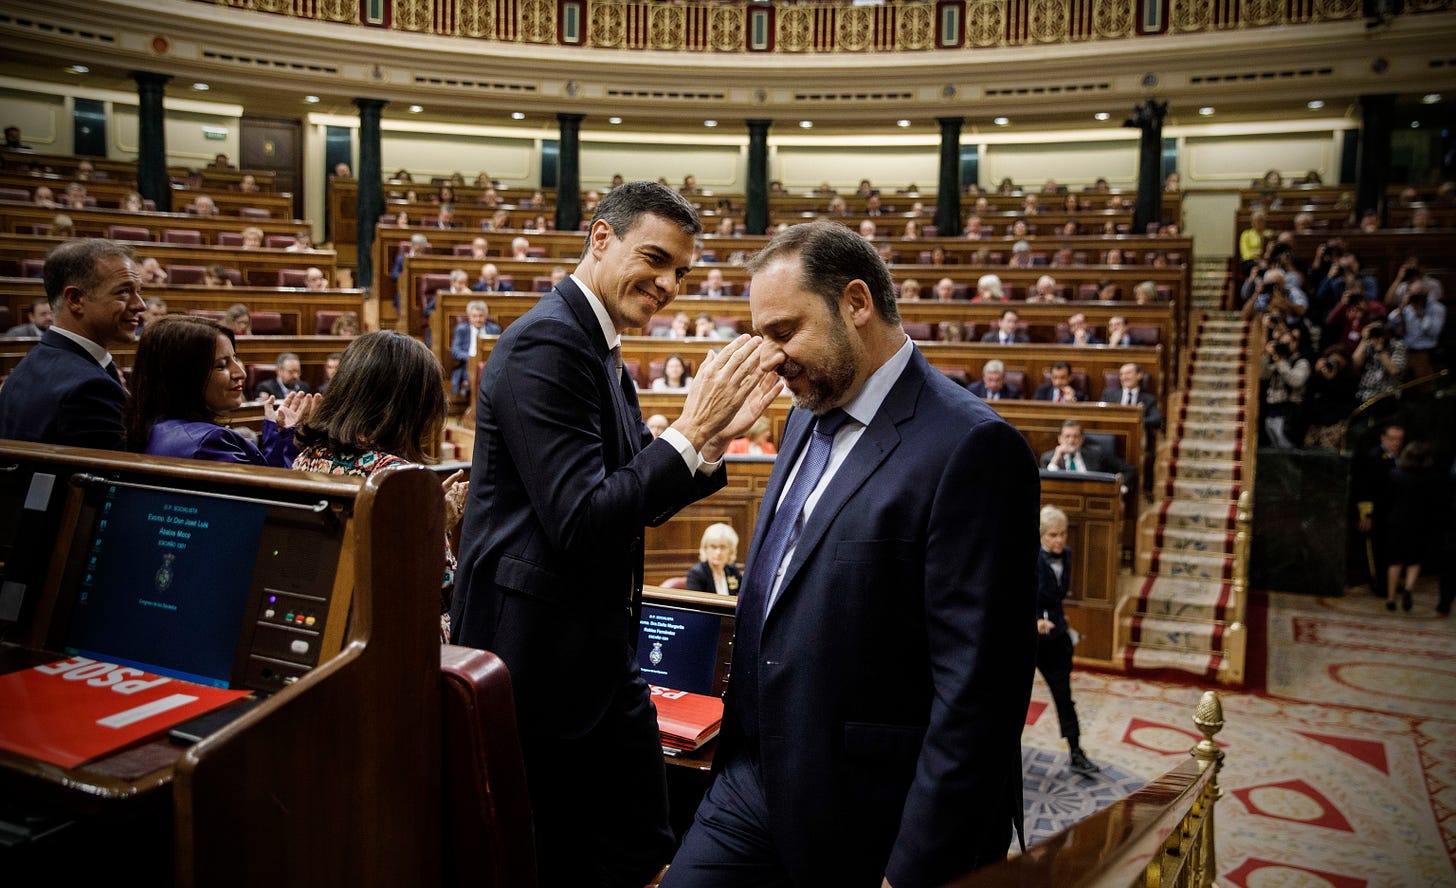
[(686, 721), (75, 710)]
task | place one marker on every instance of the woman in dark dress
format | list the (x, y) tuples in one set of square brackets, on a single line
[(185, 380), (1414, 506), (716, 572), (1054, 636)]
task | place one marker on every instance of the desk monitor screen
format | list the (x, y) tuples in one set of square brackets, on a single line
[(164, 583), (685, 649)]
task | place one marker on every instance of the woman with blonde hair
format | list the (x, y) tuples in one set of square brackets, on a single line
[(756, 441), (716, 572)]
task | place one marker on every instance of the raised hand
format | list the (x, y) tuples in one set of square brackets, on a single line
[(723, 385)]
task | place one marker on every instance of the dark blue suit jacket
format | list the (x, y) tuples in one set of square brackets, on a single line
[(58, 394), (561, 485), (889, 683), (1008, 392)]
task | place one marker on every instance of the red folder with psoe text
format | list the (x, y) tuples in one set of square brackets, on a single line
[(685, 721), (75, 710)]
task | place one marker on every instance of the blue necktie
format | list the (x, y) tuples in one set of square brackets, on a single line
[(785, 527)]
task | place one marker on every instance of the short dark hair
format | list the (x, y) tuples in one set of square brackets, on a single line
[(621, 207), (830, 257), (74, 264), (388, 395), (1062, 365), (169, 375)]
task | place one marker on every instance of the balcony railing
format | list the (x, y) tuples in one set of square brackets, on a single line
[(756, 27)]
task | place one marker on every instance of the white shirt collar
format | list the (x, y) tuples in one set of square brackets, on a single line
[(609, 330), (99, 354), (866, 403)]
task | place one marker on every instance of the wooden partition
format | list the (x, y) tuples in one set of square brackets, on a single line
[(1092, 503), (259, 267), (299, 309), (310, 785), (108, 193), (20, 218), (126, 170)]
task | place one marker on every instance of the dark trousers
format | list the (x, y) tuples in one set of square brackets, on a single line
[(1054, 661), (600, 800)]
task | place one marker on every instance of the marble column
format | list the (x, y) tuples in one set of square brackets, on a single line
[(152, 179), (371, 188), (948, 189), (755, 211), (568, 173), (1148, 117), (1373, 166)]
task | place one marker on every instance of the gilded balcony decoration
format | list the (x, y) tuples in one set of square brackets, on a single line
[(822, 27)]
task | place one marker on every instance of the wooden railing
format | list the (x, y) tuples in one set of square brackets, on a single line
[(1161, 835)]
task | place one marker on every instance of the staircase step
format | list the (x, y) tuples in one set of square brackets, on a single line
[(1207, 413), (1193, 448), (1208, 431), (1191, 540), (1185, 599), (1219, 517), (1188, 565), (1203, 491), (1172, 634), (1222, 470), (1216, 397), (1141, 658)]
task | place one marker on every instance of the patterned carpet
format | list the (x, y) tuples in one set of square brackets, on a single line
[(1341, 771)]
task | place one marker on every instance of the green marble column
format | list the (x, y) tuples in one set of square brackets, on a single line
[(371, 187), (755, 213), (152, 179), (948, 189), (568, 173)]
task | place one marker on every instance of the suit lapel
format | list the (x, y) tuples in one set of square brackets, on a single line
[(622, 404), (796, 435)]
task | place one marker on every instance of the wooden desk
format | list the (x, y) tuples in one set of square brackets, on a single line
[(259, 267), (109, 193), (20, 218)]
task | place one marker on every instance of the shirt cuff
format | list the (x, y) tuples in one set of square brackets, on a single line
[(691, 458)]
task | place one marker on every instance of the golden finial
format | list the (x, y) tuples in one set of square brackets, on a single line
[(1208, 718)]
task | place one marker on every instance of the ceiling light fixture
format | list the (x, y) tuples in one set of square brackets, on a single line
[(201, 87), (902, 123), (518, 115), (1431, 98), (1002, 121), (312, 100), (1206, 110), (1101, 115), (1315, 104), (614, 120), (806, 124), (78, 69), (710, 123), (415, 109)]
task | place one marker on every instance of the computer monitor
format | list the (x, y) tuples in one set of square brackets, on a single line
[(686, 647)]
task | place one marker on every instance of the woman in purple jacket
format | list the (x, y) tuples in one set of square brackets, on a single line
[(187, 377)]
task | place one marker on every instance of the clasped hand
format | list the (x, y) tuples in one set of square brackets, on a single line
[(729, 392), (295, 409)]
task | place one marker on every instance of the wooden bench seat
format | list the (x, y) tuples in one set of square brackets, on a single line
[(259, 267), (19, 218)]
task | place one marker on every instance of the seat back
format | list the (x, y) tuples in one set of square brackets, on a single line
[(920, 331), (1017, 380), (536, 252), (181, 236), (185, 274), (323, 322), (1143, 334), (1105, 442), (258, 374), (675, 583), (727, 322), (541, 284), (207, 313), (20, 194), (32, 268), (1087, 293), (487, 837), (267, 323), (278, 241), (431, 283), (128, 233), (256, 213), (229, 238), (292, 277)]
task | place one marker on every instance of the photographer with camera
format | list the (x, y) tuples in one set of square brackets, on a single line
[(1379, 360), (1411, 272), (1329, 398), (1343, 283), (1285, 371), (1418, 321)]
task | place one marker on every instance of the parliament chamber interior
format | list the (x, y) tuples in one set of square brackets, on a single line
[(1061, 190)]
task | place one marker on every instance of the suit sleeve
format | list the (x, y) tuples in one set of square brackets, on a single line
[(980, 599), (700, 578), (460, 343), (90, 415), (554, 411)]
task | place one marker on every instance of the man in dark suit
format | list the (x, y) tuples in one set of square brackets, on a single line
[(1129, 391), (1074, 453), (1077, 332), (287, 378), (68, 389), (886, 629), (1059, 387), (564, 477), (490, 281), (992, 386), (465, 341), (1006, 331)]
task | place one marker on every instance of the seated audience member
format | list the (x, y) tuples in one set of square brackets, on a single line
[(945, 289), (216, 276), (302, 242), (680, 328), (45, 197), (716, 571), (988, 289), (248, 183), (402, 219), (38, 319), (1172, 182), (1114, 256), (954, 331), (385, 403), (287, 378), (1060, 387), (1145, 293), (402, 177), (973, 229), (252, 237), (479, 248), (520, 248), (156, 310), (238, 319), (152, 272), (689, 185), (465, 342), (558, 273), (937, 256), (12, 140), (202, 205), (1117, 332), (1285, 372), (724, 228), (1007, 330), (992, 386), (342, 171), (315, 279), (346, 324), (1329, 399), (757, 441), (445, 217), (838, 207), (1045, 290), (490, 281), (62, 226), (444, 197), (657, 424), (1107, 291), (704, 326), (185, 381), (1303, 223), (674, 376), (459, 282), (1129, 391), (500, 220), (331, 366), (713, 284), (1020, 255), (909, 291), (220, 162), (1055, 637), (76, 196), (1070, 228), (589, 203), (131, 202), (1064, 257), (912, 230), (1078, 333), (1369, 222), (1074, 453), (418, 245), (67, 389)]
